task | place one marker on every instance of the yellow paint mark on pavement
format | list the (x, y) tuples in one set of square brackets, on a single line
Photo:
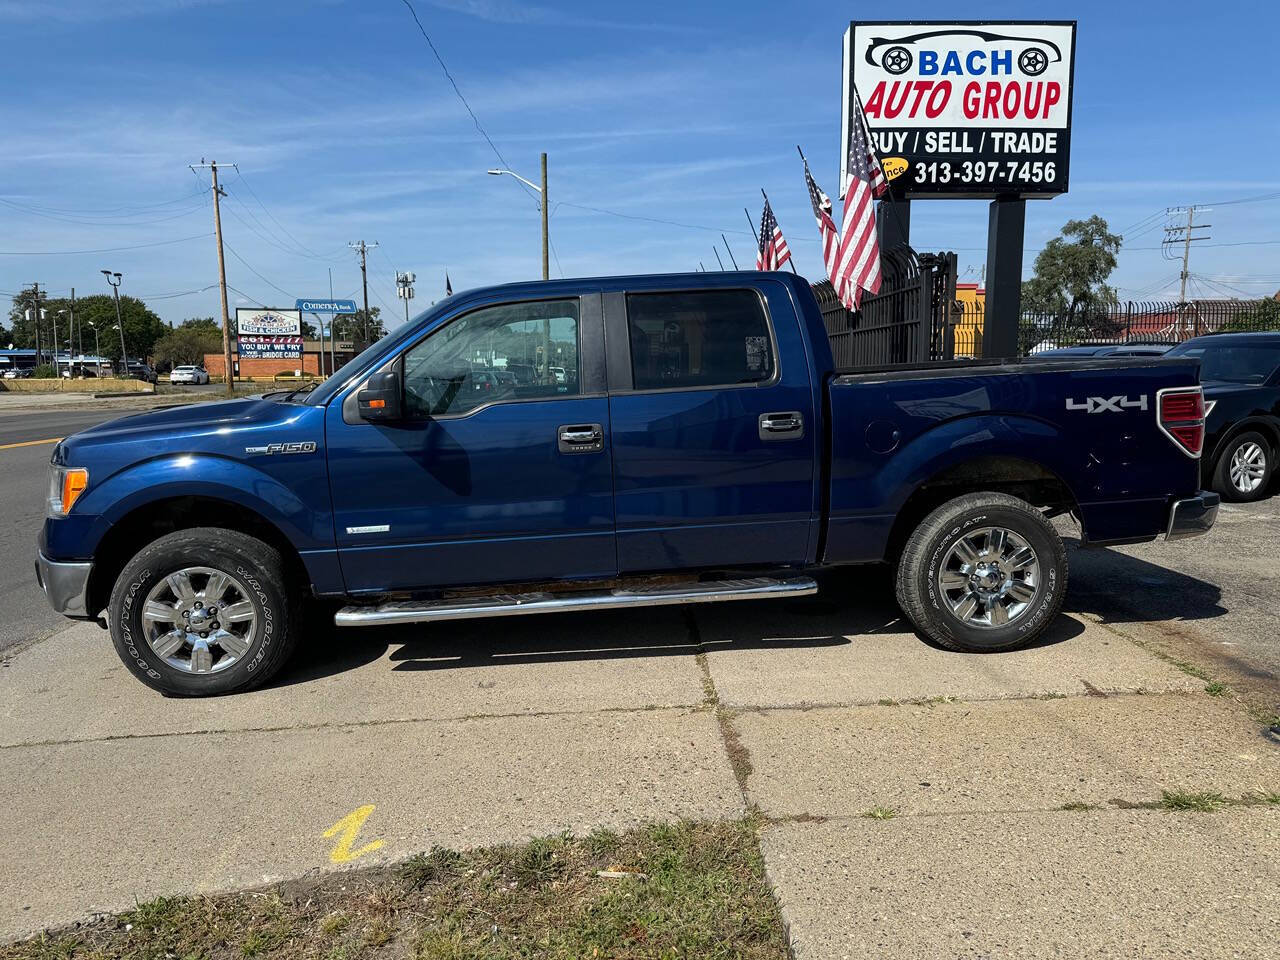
[(349, 826), (28, 443)]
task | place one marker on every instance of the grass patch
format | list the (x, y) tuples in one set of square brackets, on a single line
[(880, 813), (685, 890), (1205, 801), (1216, 689), (1079, 806)]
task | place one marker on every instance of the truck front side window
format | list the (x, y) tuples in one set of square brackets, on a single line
[(517, 351)]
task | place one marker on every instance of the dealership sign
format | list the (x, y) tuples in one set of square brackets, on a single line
[(964, 109)]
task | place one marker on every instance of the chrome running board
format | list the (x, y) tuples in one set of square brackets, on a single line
[(516, 604)]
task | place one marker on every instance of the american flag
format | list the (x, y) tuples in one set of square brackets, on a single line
[(773, 251), (858, 266), (826, 226)]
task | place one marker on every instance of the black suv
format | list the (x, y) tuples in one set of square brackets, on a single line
[(1241, 377)]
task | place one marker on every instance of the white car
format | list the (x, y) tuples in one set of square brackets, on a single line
[(189, 374)]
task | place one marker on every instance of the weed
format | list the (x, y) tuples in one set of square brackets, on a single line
[(1205, 801), (880, 813)]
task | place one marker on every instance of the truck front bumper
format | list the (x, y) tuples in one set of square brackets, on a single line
[(1193, 517), (65, 585)]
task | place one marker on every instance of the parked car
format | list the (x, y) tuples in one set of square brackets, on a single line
[(1241, 377), (189, 373), (17, 373), (140, 371), (1103, 350), (706, 438)]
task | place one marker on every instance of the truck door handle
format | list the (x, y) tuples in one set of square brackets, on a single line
[(788, 425), (580, 438)]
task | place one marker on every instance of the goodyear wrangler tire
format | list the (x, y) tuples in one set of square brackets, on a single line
[(203, 611), (983, 572)]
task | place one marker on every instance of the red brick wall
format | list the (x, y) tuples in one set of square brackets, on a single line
[(310, 363)]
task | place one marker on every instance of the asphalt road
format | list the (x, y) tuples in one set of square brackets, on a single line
[(24, 478)]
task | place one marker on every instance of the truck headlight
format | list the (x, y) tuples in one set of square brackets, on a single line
[(65, 486)]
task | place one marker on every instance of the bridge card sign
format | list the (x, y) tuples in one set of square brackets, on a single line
[(964, 109), (264, 333)]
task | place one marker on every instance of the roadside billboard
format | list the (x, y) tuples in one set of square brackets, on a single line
[(963, 108), (266, 333), (263, 348), (265, 322)]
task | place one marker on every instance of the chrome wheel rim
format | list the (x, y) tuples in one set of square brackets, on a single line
[(200, 620), (989, 577), (1248, 467)]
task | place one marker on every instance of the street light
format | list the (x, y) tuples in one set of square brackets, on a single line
[(97, 350), (115, 288), (542, 206)]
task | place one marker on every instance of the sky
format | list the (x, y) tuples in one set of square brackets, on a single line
[(341, 126)]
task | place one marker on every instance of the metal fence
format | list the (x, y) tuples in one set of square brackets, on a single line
[(903, 323), (1132, 322)]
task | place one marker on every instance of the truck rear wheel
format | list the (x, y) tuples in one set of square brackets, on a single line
[(203, 611), (982, 572)]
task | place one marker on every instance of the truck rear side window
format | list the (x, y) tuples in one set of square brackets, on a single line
[(516, 351), (698, 339)]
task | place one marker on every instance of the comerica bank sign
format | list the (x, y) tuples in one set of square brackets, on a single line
[(965, 109)]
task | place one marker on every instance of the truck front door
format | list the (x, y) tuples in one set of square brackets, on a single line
[(714, 435), (499, 470)]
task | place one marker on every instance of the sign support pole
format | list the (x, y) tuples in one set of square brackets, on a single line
[(1005, 230), (893, 223)]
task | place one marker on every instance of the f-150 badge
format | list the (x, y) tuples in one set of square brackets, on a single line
[(1107, 404), (302, 446)]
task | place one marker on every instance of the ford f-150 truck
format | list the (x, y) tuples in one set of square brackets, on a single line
[(607, 443)]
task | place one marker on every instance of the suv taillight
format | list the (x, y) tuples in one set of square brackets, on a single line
[(1180, 414)]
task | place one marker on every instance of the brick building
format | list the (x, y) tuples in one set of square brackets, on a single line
[(266, 368)]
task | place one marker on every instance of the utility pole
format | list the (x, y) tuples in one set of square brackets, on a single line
[(363, 249), (1173, 234), (80, 339), (218, 193), (546, 234), (35, 316), (1185, 234), (333, 318)]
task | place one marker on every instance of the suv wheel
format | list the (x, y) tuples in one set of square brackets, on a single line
[(982, 572), (1243, 472), (203, 611)]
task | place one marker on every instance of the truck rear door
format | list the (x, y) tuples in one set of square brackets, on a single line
[(713, 430)]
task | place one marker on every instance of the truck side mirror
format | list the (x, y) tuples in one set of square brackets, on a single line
[(379, 401)]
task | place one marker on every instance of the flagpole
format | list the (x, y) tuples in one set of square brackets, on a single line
[(871, 143), (791, 261), (729, 251), (752, 224)]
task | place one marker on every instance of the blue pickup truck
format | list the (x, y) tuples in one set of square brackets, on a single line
[(609, 443)]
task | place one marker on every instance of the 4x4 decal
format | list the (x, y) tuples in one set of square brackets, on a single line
[(1107, 404)]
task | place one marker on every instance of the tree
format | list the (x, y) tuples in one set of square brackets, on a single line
[(351, 326), (206, 325), (1071, 271), (186, 345), (142, 328)]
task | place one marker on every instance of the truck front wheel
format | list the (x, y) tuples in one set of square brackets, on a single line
[(203, 611), (982, 572)]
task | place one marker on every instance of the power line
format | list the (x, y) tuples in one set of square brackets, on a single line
[(110, 211), (256, 273), (101, 222), (72, 253), (474, 119), (307, 251)]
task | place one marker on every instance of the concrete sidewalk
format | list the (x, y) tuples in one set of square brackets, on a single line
[(811, 711)]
